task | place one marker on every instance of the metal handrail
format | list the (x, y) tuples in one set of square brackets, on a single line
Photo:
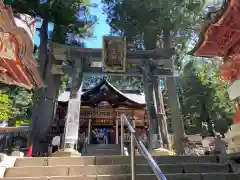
[(157, 171)]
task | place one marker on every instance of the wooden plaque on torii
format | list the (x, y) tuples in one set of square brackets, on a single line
[(114, 54)]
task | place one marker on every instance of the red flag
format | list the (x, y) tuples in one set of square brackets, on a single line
[(29, 153)]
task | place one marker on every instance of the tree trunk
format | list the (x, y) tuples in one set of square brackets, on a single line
[(174, 105), (210, 126), (12, 123), (161, 115), (148, 91), (44, 98), (208, 120)]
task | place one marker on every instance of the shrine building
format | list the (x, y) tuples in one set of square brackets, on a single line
[(101, 108)]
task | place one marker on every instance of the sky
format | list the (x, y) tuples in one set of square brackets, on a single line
[(101, 28)]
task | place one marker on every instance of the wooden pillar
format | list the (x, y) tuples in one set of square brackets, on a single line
[(89, 130), (161, 115), (74, 104), (177, 121), (134, 121), (148, 91), (173, 100), (117, 126)]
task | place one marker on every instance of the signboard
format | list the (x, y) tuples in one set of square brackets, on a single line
[(7, 47), (114, 54)]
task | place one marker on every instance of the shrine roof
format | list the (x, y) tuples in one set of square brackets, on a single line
[(219, 31), (105, 91), (17, 64)]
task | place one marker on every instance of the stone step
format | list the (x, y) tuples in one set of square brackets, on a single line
[(102, 160), (111, 170), (104, 146), (194, 176), (108, 160), (101, 150)]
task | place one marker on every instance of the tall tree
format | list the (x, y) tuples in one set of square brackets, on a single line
[(204, 98), (15, 103), (161, 23), (15, 108), (21, 110), (44, 98)]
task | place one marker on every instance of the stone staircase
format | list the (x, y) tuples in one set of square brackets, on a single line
[(101, 150), (118, 168)]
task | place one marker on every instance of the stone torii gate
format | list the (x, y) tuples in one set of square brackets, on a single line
[(113, 59)]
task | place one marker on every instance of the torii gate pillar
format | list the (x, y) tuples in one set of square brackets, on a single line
[(73, 114)]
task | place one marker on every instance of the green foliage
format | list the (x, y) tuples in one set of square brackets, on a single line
[(144, 22), (222, 126), (15, 105), (203, 97), (8, 2), (64, 79), (5, 105), (127, 82), (22, 122), (22, 101), (64, 15)]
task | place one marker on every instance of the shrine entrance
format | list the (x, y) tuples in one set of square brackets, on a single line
[(100, 111), (104, 134), (118, 61)]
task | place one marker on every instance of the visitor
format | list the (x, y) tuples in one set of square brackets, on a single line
[(185, 145), (220, 146), (94, 139), (105, 133), (56, 143), (206, 144)]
